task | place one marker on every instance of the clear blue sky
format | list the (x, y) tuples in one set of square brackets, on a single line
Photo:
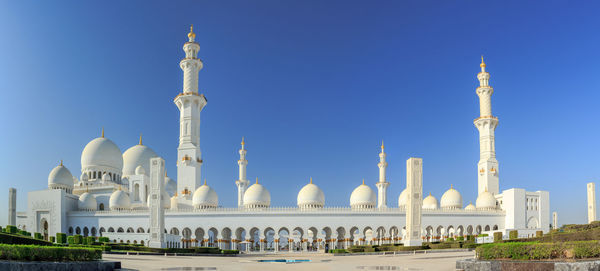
[(314, 86)]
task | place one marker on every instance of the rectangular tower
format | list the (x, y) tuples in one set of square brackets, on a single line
[(414, 186), (157, 211), (591, 197), (554, 220), (12, 206)]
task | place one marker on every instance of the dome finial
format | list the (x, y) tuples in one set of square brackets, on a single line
[(311, 180), (451, 187), (382, 147), (243, 142), (102, 132), (204, 181), (430, 193), (140, 140), (61, 163), (191, 35), (482, 65), (257, 180), (363, 181), (165, 172)]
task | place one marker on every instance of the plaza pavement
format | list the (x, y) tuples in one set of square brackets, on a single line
[(410, 262)]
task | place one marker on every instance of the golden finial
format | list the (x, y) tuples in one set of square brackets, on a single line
[(204, 181), (140, 139), (382, 145), (363, 181), (257, 180), (61, 163), (482, 63), (102, 132), (191, 35), (430, 193), (243, 142), (451, 186), (165, 172), (311, 180)]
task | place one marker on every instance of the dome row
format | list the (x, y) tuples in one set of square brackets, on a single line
[(452, 199)]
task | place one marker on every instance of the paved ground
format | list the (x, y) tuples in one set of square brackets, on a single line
[(430, 261)]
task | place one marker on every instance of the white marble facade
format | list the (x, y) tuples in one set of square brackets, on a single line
[(111, 196)]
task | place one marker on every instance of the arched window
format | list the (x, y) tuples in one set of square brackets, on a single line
[(78, 230), (111, 229), (120, 230), (101, 207)]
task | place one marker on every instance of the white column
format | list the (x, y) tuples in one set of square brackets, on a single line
[(486, 124), (190, 104), (382, 184), (554, 220), (591, 197), (157, 211), (242, 182), (12, 206), (414, 185)]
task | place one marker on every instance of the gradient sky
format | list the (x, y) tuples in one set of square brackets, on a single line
[(314, 86)]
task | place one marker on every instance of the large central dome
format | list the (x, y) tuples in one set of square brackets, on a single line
[(102, 152), (138, 155)]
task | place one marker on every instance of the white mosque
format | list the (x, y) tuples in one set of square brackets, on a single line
[(111, 196)]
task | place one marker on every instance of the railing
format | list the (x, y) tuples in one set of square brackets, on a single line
[(295, 210)]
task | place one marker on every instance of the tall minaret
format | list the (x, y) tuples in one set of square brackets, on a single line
[(382, 184), (190, 104), (242, 182), (486, 124)]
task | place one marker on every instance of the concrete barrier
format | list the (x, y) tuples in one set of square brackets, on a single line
[(482, 265), (60, 266)]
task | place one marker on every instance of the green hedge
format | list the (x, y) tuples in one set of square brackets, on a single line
[(497, 237), (11, 229), (103, 239), (230, 251), (47, 253), (537, 251), (6, 238), (52, 239), (131, 247), (102, 247), (38, 236), (89, 240), (338, 251), (513, 234), (460, 238), (61, 238)]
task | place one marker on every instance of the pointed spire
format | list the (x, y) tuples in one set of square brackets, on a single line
[(243, 143), (363, 181), (311, 180), (102, 132), (257, 180), (191, 35), (429, 193), (140, 140), (482, 65), (382, 147), (61, 163), (204, 181), (451, 187), (165, 172)]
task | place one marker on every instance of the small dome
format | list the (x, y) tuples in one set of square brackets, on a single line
[(403, 198), (257, 196), (430, 202), (363, 197), (486, 200), (60, 178), (84, 177), (119, 200), (311, 196), (87, 202), (470, 207), (451, 199), (138, 155), (102, 152), (205, 197), (170, 186), (106, 177), (139, 170)]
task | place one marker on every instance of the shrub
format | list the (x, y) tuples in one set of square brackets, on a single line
[(206, 250), (450, 239), (535, 250), (471, 245), (460, 238), (230, 251), (52, 239), (484, 235), (89, 240), (497, 237), (38, 236), (103, 239), (338, 251), (439, 246), (514, 234), (70, 240), (61, 238), (539, 233), (77, 239), (47, 253), (6, 238), (11, 229)]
